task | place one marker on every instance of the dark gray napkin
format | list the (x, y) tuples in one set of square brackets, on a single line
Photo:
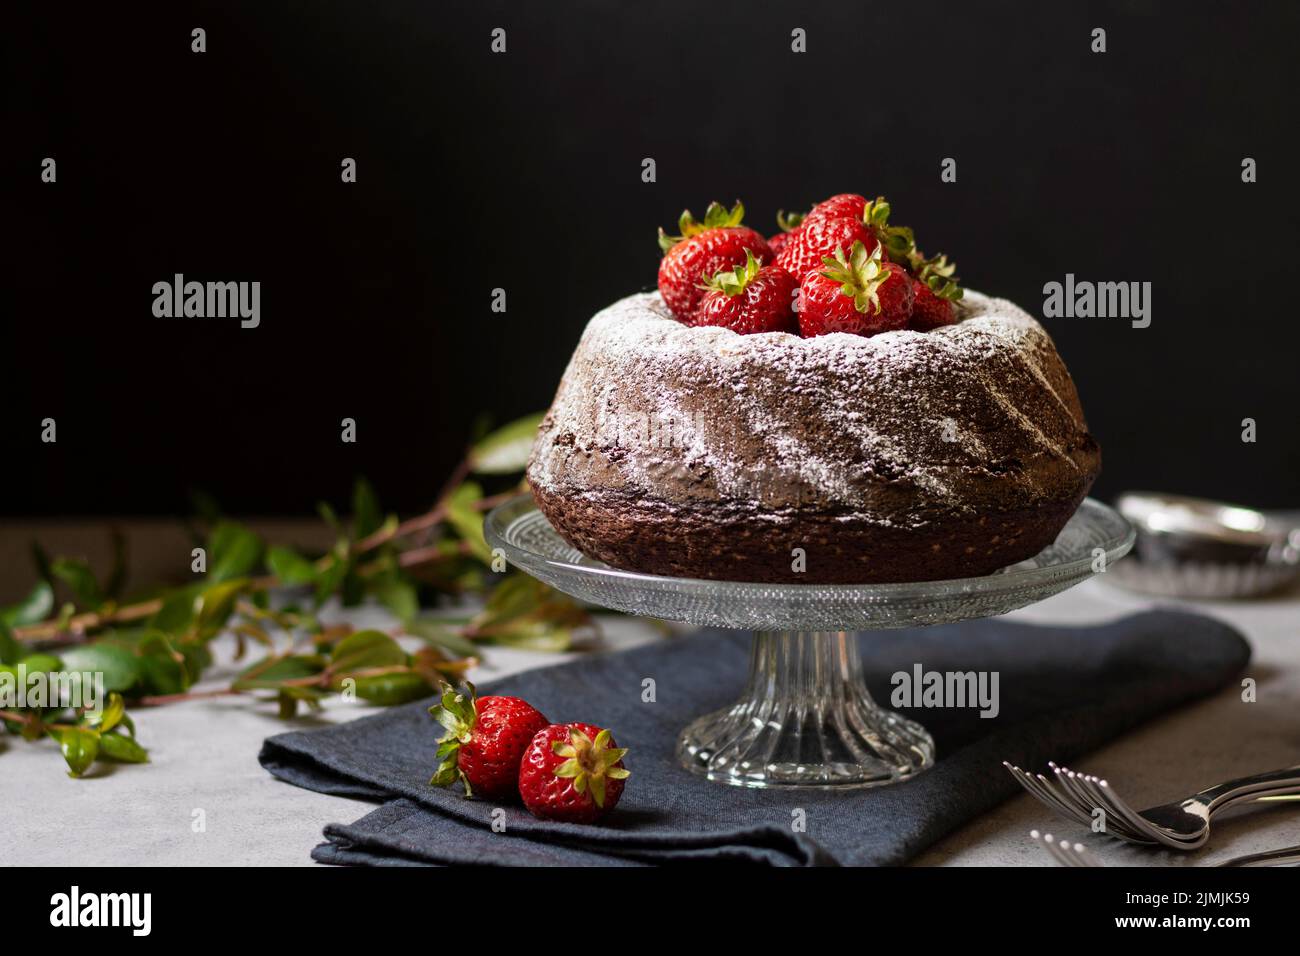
[(1064, 691)]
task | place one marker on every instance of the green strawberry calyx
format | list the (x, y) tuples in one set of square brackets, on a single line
[(860, 274), (939, 275), (899, 242), (789, 221), (733, 281), (458, 713), (589, 763), (717, 216), (876, 212)]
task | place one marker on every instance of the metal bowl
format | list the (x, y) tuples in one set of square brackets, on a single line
[(1193, 547)]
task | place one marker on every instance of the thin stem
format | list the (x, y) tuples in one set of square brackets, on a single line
[(429, 519), (80, 623), (31, 719), (187, 695)]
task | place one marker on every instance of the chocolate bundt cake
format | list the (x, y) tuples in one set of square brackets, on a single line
[(905, 456)]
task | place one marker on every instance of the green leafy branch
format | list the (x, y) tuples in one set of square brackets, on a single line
[(152, 649)]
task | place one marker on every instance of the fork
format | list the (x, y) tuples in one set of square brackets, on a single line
[(1064, 852), (1180, 825), (1078, 795), (1076, 854)]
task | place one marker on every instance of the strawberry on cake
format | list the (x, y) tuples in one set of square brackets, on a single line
[(838, 410)]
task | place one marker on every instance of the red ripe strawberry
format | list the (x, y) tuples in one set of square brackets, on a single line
[(928, 310), (777, 242), (936, 290), (842, 206), (572, 772), (862, 293), (701, 251), (750, 298), (485, 741), (818, 238), (899, 243)]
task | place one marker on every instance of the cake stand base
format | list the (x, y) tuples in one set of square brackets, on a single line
[(806, 719)]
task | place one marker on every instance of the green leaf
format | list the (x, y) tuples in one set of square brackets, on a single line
[(43, 663), (506, 450), (439, 634), (333, 575), (399, 597), (329, 516), (533, 635), (121, 668), (32, 609), (80, 747), (264, 675), (121, 748), (233, 552), (177, 611), (195, 659), (399, 687), (215, 604), (366, 514), (364, 650), (112, 714), (41, 560), (80, 579), (523, 612), (312, 695), (468, 520), (290, 567), (160, 671), (10, 650), (353, 591), (515, 596)]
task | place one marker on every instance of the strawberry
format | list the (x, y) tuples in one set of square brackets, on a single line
[(485, 741), (818, 238), (842, 206), (573, 773), (928, 310), (898, 240), (701, 251), (936, 289), (750, 298), (862, 293)]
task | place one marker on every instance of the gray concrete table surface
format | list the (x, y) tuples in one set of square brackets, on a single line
[(204, 758)]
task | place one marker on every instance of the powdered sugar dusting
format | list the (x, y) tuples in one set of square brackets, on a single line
[(651, 407)]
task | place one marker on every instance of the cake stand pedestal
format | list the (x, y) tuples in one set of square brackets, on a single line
[(806, 718)]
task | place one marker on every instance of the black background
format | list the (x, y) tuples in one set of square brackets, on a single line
[(522, 171)]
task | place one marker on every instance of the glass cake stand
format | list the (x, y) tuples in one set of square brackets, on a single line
[(806, 718)]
